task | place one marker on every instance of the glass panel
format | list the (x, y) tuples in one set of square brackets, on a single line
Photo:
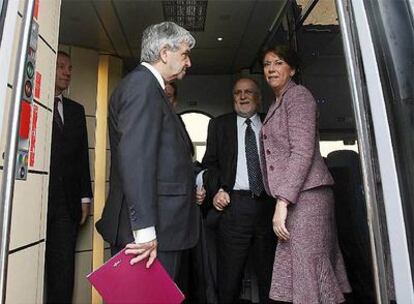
[(196, 125), (3, 6), (330, 146), (200, 150)]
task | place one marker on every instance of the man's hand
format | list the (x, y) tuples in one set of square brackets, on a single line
[(85, 213), (279, 220), (221, 200), (142, 251), (200, 195)]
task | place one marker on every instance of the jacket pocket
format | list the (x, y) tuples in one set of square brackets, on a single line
[(165, 188)]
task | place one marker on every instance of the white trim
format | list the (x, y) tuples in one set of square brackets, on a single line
[(6, 48), (392, 200)]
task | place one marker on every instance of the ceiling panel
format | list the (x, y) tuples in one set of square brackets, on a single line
[(79, 26), (115, 27)]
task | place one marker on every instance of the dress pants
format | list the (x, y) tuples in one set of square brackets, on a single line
[(61, 236), (245, 226)]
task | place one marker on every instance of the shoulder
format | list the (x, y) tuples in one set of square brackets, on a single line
[(73, 105), (223, 119), (138, 81), (298, 90)]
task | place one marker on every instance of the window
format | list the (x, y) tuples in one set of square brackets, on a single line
[(330, 146), (197, 126)]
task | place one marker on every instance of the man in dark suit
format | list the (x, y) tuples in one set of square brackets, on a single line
[(234, 180), (151, 199), (69, 187)]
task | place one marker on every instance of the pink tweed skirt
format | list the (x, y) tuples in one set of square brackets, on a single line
[(309, 268)]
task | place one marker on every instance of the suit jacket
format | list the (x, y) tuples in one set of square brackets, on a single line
[(292, 160), (221, 154), (69, 161), (151, 178)]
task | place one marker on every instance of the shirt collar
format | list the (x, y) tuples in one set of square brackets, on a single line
[(60, 96), (155, 72), (255, 120)]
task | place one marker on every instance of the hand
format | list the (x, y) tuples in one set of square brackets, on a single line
[(142, 251), (85, 213), (221, 200), (200, 196), (279, 220)]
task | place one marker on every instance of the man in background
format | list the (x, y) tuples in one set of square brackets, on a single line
[(69, 187), (234, 181)]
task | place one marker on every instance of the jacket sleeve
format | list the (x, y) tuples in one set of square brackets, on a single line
[(140, 117), (301, 119), (211, 161), (85, 176)]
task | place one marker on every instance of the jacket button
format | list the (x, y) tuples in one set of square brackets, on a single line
[(264, 136), (267, 151), (271, 168)]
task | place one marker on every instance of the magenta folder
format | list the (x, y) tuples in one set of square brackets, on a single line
[(119, 282)]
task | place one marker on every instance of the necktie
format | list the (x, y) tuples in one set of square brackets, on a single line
[(56, 115), (252, 158)]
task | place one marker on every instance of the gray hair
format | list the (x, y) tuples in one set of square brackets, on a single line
[(168, 34)]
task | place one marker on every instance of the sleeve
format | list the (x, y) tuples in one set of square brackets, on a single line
[(85, 176), (301, 117), (211, 177), (139, 123)]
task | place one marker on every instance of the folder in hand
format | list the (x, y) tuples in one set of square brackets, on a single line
[(117, 281)]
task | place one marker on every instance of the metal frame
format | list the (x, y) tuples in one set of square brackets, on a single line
[(392, 200), (362, 126), (7, 183), (305, 12), (6, 48)]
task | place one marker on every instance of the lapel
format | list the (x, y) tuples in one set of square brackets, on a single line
[(275, 105), (66, 114), (233, 144)]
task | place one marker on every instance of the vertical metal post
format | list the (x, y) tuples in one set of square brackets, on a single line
[(7, 184)]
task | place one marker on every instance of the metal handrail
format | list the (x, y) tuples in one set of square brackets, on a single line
[(7, 183)]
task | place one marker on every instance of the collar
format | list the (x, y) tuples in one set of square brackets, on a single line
[(60, 96), (290, 84), (155, 72), (255, 120)]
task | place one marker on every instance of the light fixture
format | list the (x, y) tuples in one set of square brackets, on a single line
[(190, 14), (220, 39)]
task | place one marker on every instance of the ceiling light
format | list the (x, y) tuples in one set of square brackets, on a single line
[(220, 39), (190, 14)]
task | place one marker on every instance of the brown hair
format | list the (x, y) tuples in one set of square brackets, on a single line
[(285, 53)]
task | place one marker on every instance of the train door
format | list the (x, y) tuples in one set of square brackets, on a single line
[(379, 45)]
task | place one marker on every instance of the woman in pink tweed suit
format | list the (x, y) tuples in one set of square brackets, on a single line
[(308, 266)]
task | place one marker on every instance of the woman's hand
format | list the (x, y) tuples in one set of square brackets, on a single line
[(279, 220)]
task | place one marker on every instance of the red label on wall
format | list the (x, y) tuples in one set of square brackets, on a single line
[(38, 83), (36, 9), (24, 120), (33, 136)]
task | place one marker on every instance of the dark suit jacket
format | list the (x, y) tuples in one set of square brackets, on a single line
[(220, 158), (69, 161), (152, 180)]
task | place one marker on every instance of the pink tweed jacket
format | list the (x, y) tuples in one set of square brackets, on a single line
[(292, 161)]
